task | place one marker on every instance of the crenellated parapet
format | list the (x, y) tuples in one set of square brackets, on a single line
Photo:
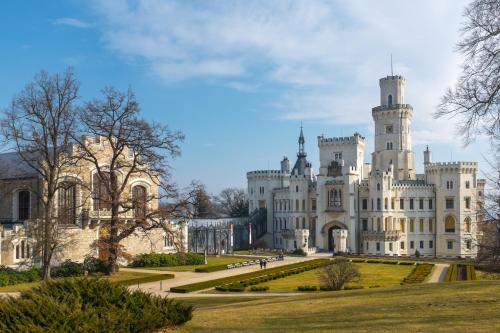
[(341, 141), (260, 174), (451, 167)]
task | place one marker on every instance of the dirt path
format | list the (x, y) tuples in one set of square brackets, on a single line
[(438, 273)]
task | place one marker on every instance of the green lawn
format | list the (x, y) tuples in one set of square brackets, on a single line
[(371, 275), (212, 261), (471, 306), (119, 277)]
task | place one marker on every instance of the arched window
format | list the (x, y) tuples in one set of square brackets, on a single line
[(449, 224), (386, 203), (24, 200), (100, 195), (139, 201), (67, 203), (378, 204), (389, 99), (467, 224), (389, 145), (378, 186)]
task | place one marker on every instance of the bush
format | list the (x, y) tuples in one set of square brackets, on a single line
[(406, 263), (299, 252), (168, 259), (9, 276), (145, 279), (338, 273), (353, 287), (68, 269), (209, 269), (259, 288), (89, 305), (307, 288), (96, 265)]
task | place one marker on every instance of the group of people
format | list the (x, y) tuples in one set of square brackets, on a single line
[(263, 263)]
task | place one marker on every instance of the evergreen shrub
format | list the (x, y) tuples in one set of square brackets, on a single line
[(168, 259), (9, 276), (89, 305)]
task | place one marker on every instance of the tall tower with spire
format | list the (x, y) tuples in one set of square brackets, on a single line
[(302, 142), (393, 144), (302, 166)]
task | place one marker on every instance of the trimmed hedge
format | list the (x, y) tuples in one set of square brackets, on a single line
[(471, 272), (262, 276), (451, 274), (307, 288), (145, 279), (418, 274), (9, 276), (89, 305), (168, 259), (210, 269), (259, 288)]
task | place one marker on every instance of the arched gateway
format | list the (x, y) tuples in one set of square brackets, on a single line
[(336, 236)]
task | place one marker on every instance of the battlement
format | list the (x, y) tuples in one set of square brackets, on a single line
[(392, 107), (267, 173), (354, 139), (481, 182), (392, 78), (450, 166)]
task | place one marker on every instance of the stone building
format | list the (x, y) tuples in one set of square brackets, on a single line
[(80, 209), (378, 208)]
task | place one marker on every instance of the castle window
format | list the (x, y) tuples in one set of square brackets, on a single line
[(168, 240), (480, 193), (304, 205), (392, 203), (389, 145), (303, 223), (389, 99), (313, 204), (389, 129), (449, 225), (450, 204), (379, 227), (297, 208), (468, 244), (390, 247), (421, 204), (24, 199), (450, 245), (378, 186), (334, 169), (449, 184), (412, 244), (401, 203), (467, 224), (402, 225), (297, 223), (402, 245), (365, 225), (431, 226), (379, 204), (431, 244), (386, 224), (67, 203), (421, 225), (378, 246), (100, 195), (412, 225), (386, 203), (139, 199), (421, 244), (467, 202), (365, 204), (411, 204), (467, 184), (430, 204), (297, 188)]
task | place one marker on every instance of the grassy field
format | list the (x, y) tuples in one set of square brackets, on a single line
[(451, 307), (119, 277), (211, 261), (371, 275)]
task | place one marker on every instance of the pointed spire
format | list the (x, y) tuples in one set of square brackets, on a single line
[(302, 141)]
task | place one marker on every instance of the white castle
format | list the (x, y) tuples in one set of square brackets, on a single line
[(382, 208)]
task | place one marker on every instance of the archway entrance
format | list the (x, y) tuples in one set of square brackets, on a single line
[(331, 240)]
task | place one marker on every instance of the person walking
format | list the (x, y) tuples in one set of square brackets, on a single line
[(260, 263), (265, 263)]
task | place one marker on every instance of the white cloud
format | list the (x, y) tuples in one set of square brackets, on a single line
[(73, 22), (326, 55)]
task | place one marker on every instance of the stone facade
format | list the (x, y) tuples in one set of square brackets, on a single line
[(380, 208), (19, 209)]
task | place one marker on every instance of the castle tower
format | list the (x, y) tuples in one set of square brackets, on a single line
[(393, 119), (427, 156)]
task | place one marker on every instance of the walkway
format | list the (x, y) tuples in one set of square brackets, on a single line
[(438, 273), (181, 278)]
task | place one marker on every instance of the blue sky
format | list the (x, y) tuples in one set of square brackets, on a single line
[(239, 77)]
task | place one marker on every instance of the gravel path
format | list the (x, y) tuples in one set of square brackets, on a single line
[(438, 273)]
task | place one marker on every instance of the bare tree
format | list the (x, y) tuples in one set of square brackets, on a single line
[(134, 148), (475, 99), (337, 274), (233, 202), (489, 243), (39, 123)]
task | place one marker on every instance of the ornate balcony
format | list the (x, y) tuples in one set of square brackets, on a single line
[(390, 235)]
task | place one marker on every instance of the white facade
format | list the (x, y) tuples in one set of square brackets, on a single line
[(380, 209)]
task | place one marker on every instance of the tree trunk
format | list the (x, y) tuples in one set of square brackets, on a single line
[(46, 243)]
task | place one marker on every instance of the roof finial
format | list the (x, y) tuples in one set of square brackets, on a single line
[(301, 140), (392, 72)]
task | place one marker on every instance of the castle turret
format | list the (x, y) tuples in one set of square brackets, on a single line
[(427, 156), (393, 129), (285, 165)]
